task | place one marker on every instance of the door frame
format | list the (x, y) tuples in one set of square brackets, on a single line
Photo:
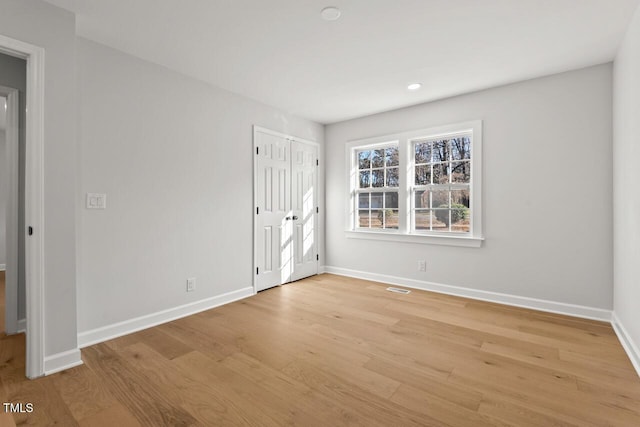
[(12, 211), (34, 199), (256, 130)]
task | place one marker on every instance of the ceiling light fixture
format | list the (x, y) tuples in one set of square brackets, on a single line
[(330, 13), (414, 86)]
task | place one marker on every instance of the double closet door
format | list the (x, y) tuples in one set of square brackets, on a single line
[(286, 212)]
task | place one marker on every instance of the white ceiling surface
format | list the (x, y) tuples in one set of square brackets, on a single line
[(281, 53)]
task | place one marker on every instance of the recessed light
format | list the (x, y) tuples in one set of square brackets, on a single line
[(414, 86), (330, 13)]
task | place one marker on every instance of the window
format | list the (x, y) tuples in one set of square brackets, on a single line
[(441, 190), (377, 189), (421, 186)]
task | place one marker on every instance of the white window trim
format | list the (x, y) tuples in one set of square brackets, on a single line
[(404, 233)]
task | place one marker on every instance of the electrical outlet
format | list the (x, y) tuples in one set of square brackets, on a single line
[(191, 284), (422, 265)]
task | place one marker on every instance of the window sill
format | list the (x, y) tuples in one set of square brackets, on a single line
[(463, 241)]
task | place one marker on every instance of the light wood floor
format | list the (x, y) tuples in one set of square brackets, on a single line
[(334, 351)]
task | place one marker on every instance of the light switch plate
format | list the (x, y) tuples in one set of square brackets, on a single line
[(96, 201)]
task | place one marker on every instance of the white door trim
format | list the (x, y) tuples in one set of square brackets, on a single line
[(34, 199), (256, 130), (11, 166)]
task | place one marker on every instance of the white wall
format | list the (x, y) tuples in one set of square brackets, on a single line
[(53, 29), (3, 192), (547, 192), (175, 158), (626, 179)]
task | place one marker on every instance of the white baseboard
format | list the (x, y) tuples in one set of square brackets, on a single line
[(632, 349), (513, 300), (3, 267), (61, 361), (22, 326), (322, 269), (115, 330)]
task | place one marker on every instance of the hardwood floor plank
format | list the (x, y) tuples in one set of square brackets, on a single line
[(48, 406), (82, 391), (368, 408), (429, 386), (134, 391), (116, 415), (206, 402), (318, 409), (157, 339), (273, 410), (522, 416), (569, 407), (441, 411)]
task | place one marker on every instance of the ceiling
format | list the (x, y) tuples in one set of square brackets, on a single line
[(281, 53)]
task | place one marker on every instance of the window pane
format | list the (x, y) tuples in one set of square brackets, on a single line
[(423, 220), (441, 220), (391, 218), (391, 200), (461, 172), (423, 152), (392, 177), (377, 218), (392, 157), (376, 200), (461, 148), (440, 175), (440, 199), (377, 178), (364, 159), (363, 218), (363, 200), (423, 175), (377, 158), (460, 199), (460, 220), (441, 150), (421, 199), (365, 179)]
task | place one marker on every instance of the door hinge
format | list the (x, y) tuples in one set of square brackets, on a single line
[(30, 231), (257, 150), (317, 162), (257, 270), (257, 210), (317, 209), (317, 257)]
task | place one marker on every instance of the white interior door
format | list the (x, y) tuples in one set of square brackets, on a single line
[(273, 205), (285, 247), (304, 204)]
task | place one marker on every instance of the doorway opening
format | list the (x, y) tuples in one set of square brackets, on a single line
[(11, 198), (33, 226)]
